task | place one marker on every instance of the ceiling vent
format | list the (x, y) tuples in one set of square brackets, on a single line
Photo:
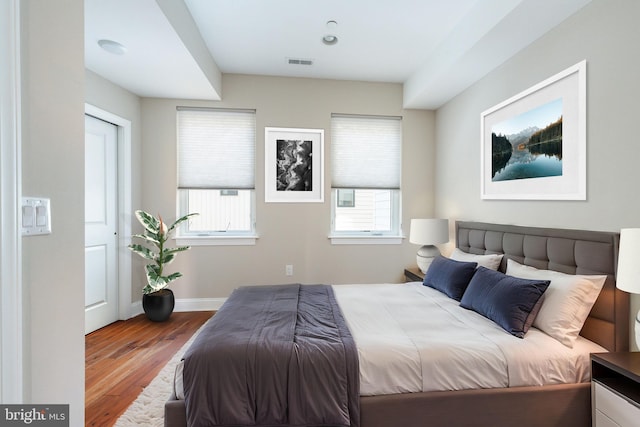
[(299, 61)]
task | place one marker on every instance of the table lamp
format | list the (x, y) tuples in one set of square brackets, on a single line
[(628, 276), (428, 232)]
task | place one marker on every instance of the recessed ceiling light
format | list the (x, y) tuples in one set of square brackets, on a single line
[(330, 39), (112, 47)]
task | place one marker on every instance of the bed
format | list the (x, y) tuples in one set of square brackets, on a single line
[(566, 404)]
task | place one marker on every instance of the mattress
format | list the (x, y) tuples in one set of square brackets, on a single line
[(412, 338)]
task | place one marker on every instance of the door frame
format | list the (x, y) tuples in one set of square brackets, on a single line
[(125, 212), (13, 334)]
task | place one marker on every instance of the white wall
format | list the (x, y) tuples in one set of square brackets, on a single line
[(53, 166), (290, 233), (604, 33)]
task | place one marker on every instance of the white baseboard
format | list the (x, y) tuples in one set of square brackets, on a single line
[(136, 309), (185, 304)]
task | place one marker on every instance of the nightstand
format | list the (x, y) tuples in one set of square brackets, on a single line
[(413, 275), (615, 389)]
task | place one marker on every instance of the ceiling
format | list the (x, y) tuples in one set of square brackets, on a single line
[(435, 48)]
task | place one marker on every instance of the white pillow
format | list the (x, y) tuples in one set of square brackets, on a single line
[(491, 261), (567, 301)]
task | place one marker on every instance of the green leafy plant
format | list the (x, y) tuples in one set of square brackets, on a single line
[(156, 233)]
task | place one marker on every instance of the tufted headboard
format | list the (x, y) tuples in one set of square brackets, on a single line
[(567, 251)]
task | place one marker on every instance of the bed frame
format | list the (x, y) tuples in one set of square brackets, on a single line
[(566, 405)]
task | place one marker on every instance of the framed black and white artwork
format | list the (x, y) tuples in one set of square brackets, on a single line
[(294, 165)]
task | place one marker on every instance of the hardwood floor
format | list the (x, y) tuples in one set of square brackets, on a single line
[(122, 358)]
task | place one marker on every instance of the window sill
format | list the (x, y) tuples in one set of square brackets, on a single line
[(248, 240), (365, 240)]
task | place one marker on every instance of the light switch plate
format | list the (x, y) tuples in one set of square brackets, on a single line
[(36, 216)]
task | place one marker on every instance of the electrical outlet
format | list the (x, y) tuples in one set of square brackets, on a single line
[(288, 270)]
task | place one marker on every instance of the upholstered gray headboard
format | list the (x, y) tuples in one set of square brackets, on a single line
[(568, 251)]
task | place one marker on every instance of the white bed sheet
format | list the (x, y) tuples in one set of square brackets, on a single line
[(412, 338)]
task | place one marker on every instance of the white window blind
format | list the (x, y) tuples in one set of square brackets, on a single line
[(216, 148), (365, 151)]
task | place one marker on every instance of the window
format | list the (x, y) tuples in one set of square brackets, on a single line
[(346, 198), (366, 162), (216, 172)]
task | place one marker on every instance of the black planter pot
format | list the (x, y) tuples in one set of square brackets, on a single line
[(158, 306)]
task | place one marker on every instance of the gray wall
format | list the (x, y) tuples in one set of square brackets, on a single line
[(289, 233), (53, 166), (605, 33)]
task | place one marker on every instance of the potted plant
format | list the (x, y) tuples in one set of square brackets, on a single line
[(157, 300)]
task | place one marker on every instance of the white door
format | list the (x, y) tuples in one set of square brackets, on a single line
[(101, 207)]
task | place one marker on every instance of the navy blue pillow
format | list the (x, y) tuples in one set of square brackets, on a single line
[(449, 276), (507, 300)]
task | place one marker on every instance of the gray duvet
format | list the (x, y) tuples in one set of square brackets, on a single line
[(274, 356)]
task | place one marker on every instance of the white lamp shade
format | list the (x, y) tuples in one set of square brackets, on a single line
[(429, 231), (628, 276)]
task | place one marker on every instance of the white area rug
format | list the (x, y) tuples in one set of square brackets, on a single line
[(148, 408)]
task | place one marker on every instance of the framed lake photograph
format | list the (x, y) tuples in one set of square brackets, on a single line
[(534, 144), (294, 165)]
